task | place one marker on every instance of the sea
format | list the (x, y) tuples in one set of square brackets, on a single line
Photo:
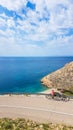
[(23, 74)]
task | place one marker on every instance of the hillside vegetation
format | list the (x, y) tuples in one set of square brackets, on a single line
[(22, 124), (60, 79)]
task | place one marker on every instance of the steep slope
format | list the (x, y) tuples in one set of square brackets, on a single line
[(60, 79)]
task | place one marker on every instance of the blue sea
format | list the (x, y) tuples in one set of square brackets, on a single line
[(23, 74)]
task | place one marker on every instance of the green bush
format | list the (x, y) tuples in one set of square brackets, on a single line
[(22, 124)]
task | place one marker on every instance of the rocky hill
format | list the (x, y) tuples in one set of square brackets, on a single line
[(60, 79)]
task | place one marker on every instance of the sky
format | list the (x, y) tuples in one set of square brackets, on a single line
[(36, 27)]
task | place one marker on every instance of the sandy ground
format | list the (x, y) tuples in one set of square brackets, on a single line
[(48, 91), (37, 108)]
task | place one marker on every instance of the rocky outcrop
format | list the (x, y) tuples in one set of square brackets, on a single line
[(60, 79)]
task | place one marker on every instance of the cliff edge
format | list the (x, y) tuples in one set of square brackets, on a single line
[(60, 79)]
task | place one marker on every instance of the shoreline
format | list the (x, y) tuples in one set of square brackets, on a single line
[(48, 91)]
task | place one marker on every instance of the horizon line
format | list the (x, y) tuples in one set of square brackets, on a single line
[(35, 56)]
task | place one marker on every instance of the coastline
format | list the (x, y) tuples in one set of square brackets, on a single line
[(48, 91), (25, 78), (36, 107)]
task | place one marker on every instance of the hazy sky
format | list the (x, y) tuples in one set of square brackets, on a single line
[(36, 27)]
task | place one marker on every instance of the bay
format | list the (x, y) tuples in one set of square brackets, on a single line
[(23, 74)]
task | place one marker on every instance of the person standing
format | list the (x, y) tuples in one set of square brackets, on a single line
[(52, 94)]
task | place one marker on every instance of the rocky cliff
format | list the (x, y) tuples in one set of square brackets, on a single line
[(60, 79)]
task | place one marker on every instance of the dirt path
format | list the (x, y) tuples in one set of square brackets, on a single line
[(37, 108)]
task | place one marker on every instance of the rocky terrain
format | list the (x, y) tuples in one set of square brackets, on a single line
[(60, 79)]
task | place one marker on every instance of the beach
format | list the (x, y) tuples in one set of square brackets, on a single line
[(37, 108)]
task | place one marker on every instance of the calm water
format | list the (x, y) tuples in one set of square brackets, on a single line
[(24, 74)]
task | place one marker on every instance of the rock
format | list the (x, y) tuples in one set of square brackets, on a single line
[(60, 79)]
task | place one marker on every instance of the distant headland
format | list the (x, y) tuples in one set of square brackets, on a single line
[(60, 79)]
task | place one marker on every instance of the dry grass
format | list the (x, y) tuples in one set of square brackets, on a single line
[(22, 124)]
